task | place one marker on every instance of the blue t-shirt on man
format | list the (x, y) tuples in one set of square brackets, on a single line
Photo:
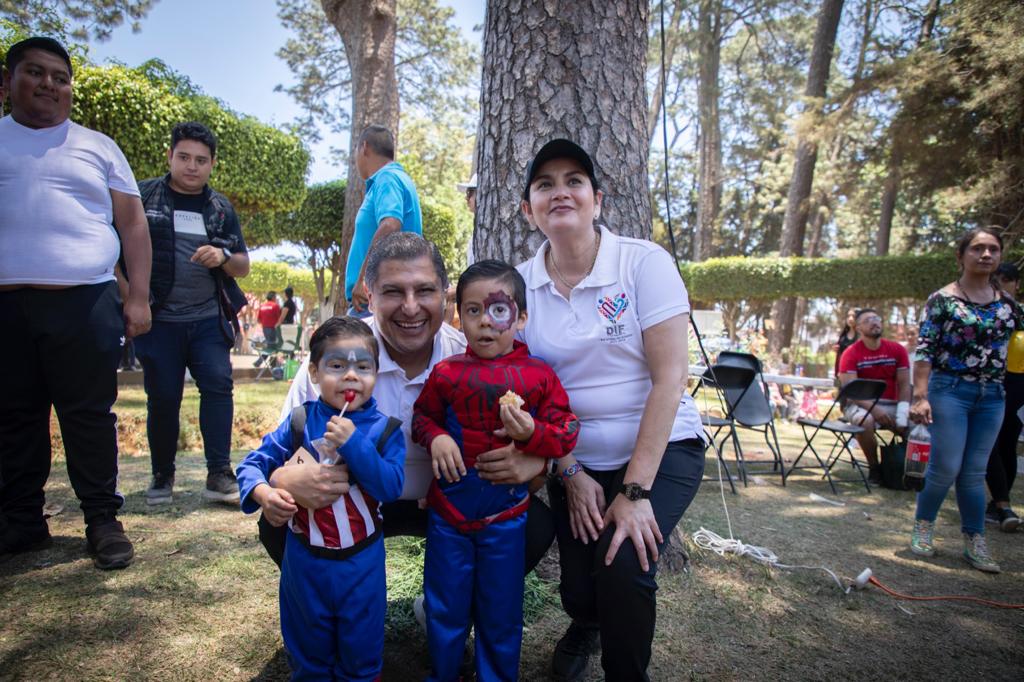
[(390, 193)]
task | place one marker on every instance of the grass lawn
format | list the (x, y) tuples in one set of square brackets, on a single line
[(200, 601)]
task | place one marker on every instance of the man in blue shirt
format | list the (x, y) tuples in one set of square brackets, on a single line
[(390, 205)]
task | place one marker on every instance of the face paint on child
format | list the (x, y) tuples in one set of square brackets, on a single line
[(340, 359), (502, 310)]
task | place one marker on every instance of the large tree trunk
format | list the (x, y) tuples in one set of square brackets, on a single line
[(795, 221), (367, 29), (570, 69), (709, 195), (892, 181)]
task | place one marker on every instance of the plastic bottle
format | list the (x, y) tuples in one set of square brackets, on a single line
[(919, 448)]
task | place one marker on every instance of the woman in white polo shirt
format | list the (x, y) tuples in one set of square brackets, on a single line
[(610, 315)]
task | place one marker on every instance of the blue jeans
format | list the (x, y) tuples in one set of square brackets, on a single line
[(966, 416), (165, 352)]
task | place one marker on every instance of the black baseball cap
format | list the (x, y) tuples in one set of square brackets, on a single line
[(17, 51), (559, 148)]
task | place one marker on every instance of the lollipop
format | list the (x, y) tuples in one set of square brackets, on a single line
[(350, 396)]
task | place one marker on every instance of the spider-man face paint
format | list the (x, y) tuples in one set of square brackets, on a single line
[(502, 310), (490, 317)]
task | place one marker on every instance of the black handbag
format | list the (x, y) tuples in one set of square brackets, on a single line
[(893, 456)]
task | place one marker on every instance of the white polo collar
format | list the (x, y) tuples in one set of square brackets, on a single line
[(606, 267)]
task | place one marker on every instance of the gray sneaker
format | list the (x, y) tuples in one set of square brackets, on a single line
[(159, 491), (221, 486), (976, 553)]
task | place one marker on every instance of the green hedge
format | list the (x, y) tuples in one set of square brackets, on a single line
[(865, 278), (267, 276)]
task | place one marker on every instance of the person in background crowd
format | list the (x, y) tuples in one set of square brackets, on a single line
[(1002, 463), (62, 186), (269, 317), (847, 337), (390, 205), (198, 251), (289, 309), (958, 391), (872, 357), (598, 300)]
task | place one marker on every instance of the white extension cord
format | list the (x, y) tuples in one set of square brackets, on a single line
[(709, 540)]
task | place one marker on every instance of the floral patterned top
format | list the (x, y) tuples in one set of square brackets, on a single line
[(967, 339)]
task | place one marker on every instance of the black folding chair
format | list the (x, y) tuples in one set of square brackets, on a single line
[(858, 389), (725, 380), (753, 410)]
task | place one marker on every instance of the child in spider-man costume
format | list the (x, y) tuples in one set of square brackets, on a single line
[(476, 532)]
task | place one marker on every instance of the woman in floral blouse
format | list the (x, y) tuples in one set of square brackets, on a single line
[(958, 391)]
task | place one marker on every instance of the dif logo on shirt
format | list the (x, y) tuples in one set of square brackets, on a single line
[(612, 308)]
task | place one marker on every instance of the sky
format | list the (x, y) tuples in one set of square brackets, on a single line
[(227, 48)]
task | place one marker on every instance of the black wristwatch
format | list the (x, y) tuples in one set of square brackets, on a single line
[(634, 492), (227, 255)]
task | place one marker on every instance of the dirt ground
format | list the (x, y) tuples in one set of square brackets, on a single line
[(200, 601)]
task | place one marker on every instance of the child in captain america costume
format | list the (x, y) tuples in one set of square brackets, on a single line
[(473, 569), (332, 593)]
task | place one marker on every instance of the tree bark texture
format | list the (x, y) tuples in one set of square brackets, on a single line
[(367, 29), (709, 194), (795, 221), (561, 69)]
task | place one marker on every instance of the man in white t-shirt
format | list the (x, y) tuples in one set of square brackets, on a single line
[(61, 188)]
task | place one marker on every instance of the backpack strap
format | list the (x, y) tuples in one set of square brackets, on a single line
[(389, 428), (298, 426)]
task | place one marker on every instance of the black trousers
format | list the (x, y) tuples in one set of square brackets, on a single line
[(405, 518), (61, 349), (620, 598), (1002, 463)]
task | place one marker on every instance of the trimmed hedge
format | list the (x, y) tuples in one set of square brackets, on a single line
[(866, 278), (267, 276)]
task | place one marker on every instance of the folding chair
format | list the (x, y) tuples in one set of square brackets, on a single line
[(289, 344), (725, 380), (753, 410), (858, 389)]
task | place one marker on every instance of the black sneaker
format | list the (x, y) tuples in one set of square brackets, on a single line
[(1008, 521), (221, 486), (572, 652), (875, 475), (109, 547), (160, 490), (992, 514), (15, 540)]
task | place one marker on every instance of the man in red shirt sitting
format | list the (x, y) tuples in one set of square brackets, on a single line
[(872, 357)]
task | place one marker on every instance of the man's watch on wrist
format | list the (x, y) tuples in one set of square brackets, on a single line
[(227, 255), (634, 492)]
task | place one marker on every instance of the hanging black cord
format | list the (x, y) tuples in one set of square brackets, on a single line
[(668, 202)]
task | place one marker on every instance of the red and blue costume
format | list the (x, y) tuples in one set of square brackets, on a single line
[(333, 593), (473, 571)]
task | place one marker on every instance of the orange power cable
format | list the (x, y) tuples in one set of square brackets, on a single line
[(977, 600)]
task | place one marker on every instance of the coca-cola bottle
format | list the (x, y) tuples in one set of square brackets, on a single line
[(919, 448)]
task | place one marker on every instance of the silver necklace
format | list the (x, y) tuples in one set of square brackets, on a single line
[(593, 261)]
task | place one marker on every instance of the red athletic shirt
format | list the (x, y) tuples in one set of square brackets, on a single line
[(876, 364), (269, 314)]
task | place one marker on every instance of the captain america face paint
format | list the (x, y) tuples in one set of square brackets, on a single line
[(346, 365), (490, 317)]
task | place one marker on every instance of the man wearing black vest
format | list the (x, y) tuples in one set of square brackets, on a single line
[(198, 251)]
